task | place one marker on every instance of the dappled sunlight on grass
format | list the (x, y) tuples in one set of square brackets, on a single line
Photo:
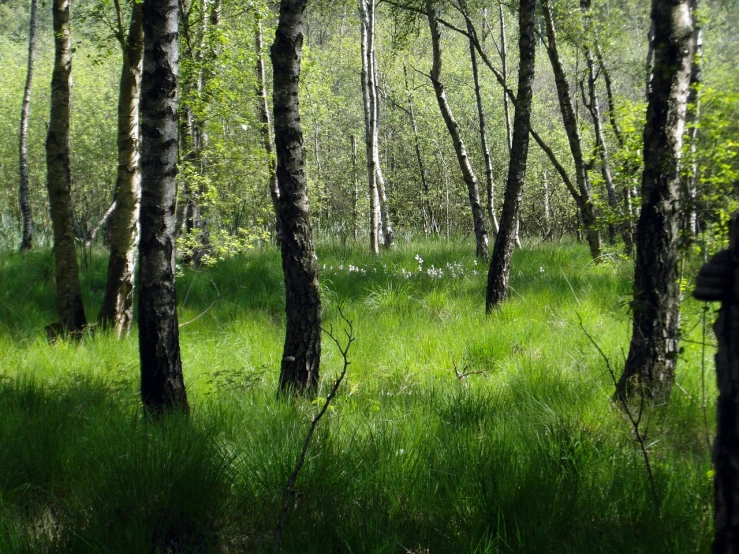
[(452, 431)]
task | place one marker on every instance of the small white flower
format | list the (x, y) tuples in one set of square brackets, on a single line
[(541, 269)]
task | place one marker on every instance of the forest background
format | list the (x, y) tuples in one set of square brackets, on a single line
[(517, 434)]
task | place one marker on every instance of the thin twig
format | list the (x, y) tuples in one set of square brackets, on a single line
[(198, 316), (634, 421), (290, 488), (464, 373)]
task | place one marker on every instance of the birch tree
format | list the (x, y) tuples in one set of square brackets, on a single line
[(162, 384), (302, 349), (117, 308), (59, 176), (500, 264), (24, 199), (650, 365)]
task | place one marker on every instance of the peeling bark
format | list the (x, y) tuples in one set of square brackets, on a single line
[(650, 365), (162, 384), (117, 307), (368, 92)]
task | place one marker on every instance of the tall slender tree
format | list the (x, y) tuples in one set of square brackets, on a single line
[(468, 174), (25, 201), (266, 121), (489, 182), (162, 384), (500, 264), (371, 128), (59, 176), (650, 365), (583, 196), (117, 307), (302, 350)]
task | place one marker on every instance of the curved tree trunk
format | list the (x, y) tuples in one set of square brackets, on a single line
[(584, 196), (302, 350), (592, 104), (430, 224), (500, 265), (489, 183), (650, 365), (162, 384), (24, 200), (468, 174), (117, 306), (59, 177)]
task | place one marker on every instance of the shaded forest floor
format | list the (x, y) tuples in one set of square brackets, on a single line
[(525, 454)]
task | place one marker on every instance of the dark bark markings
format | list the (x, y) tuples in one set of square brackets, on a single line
[(650, 365), (162, 384), (500, 264), (468, 174), (117, 306), (59, 176), (24, 200), (584, 196), (302, 349)]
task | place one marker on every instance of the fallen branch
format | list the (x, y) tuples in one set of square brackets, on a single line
[(290, 488), (464, 373)]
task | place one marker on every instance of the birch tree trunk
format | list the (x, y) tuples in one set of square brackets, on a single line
[(592, 104), (584, 197), (650, 365), (690, 179), (59, 177), (117, 307), (368, 92), (266, 124), (388, 235), (302, 350), (489, 183), (24, 199), (500, 264), (430, 224), (468, 174), (162, 384)]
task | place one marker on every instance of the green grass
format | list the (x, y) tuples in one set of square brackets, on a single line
[(529, 455)]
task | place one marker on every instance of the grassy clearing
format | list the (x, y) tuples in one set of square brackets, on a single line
[(527, 456)]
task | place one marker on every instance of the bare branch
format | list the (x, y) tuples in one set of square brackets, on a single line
[(635, 421), (290, 488)]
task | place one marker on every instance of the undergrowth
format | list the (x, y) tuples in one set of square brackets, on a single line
[(453, 432)]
